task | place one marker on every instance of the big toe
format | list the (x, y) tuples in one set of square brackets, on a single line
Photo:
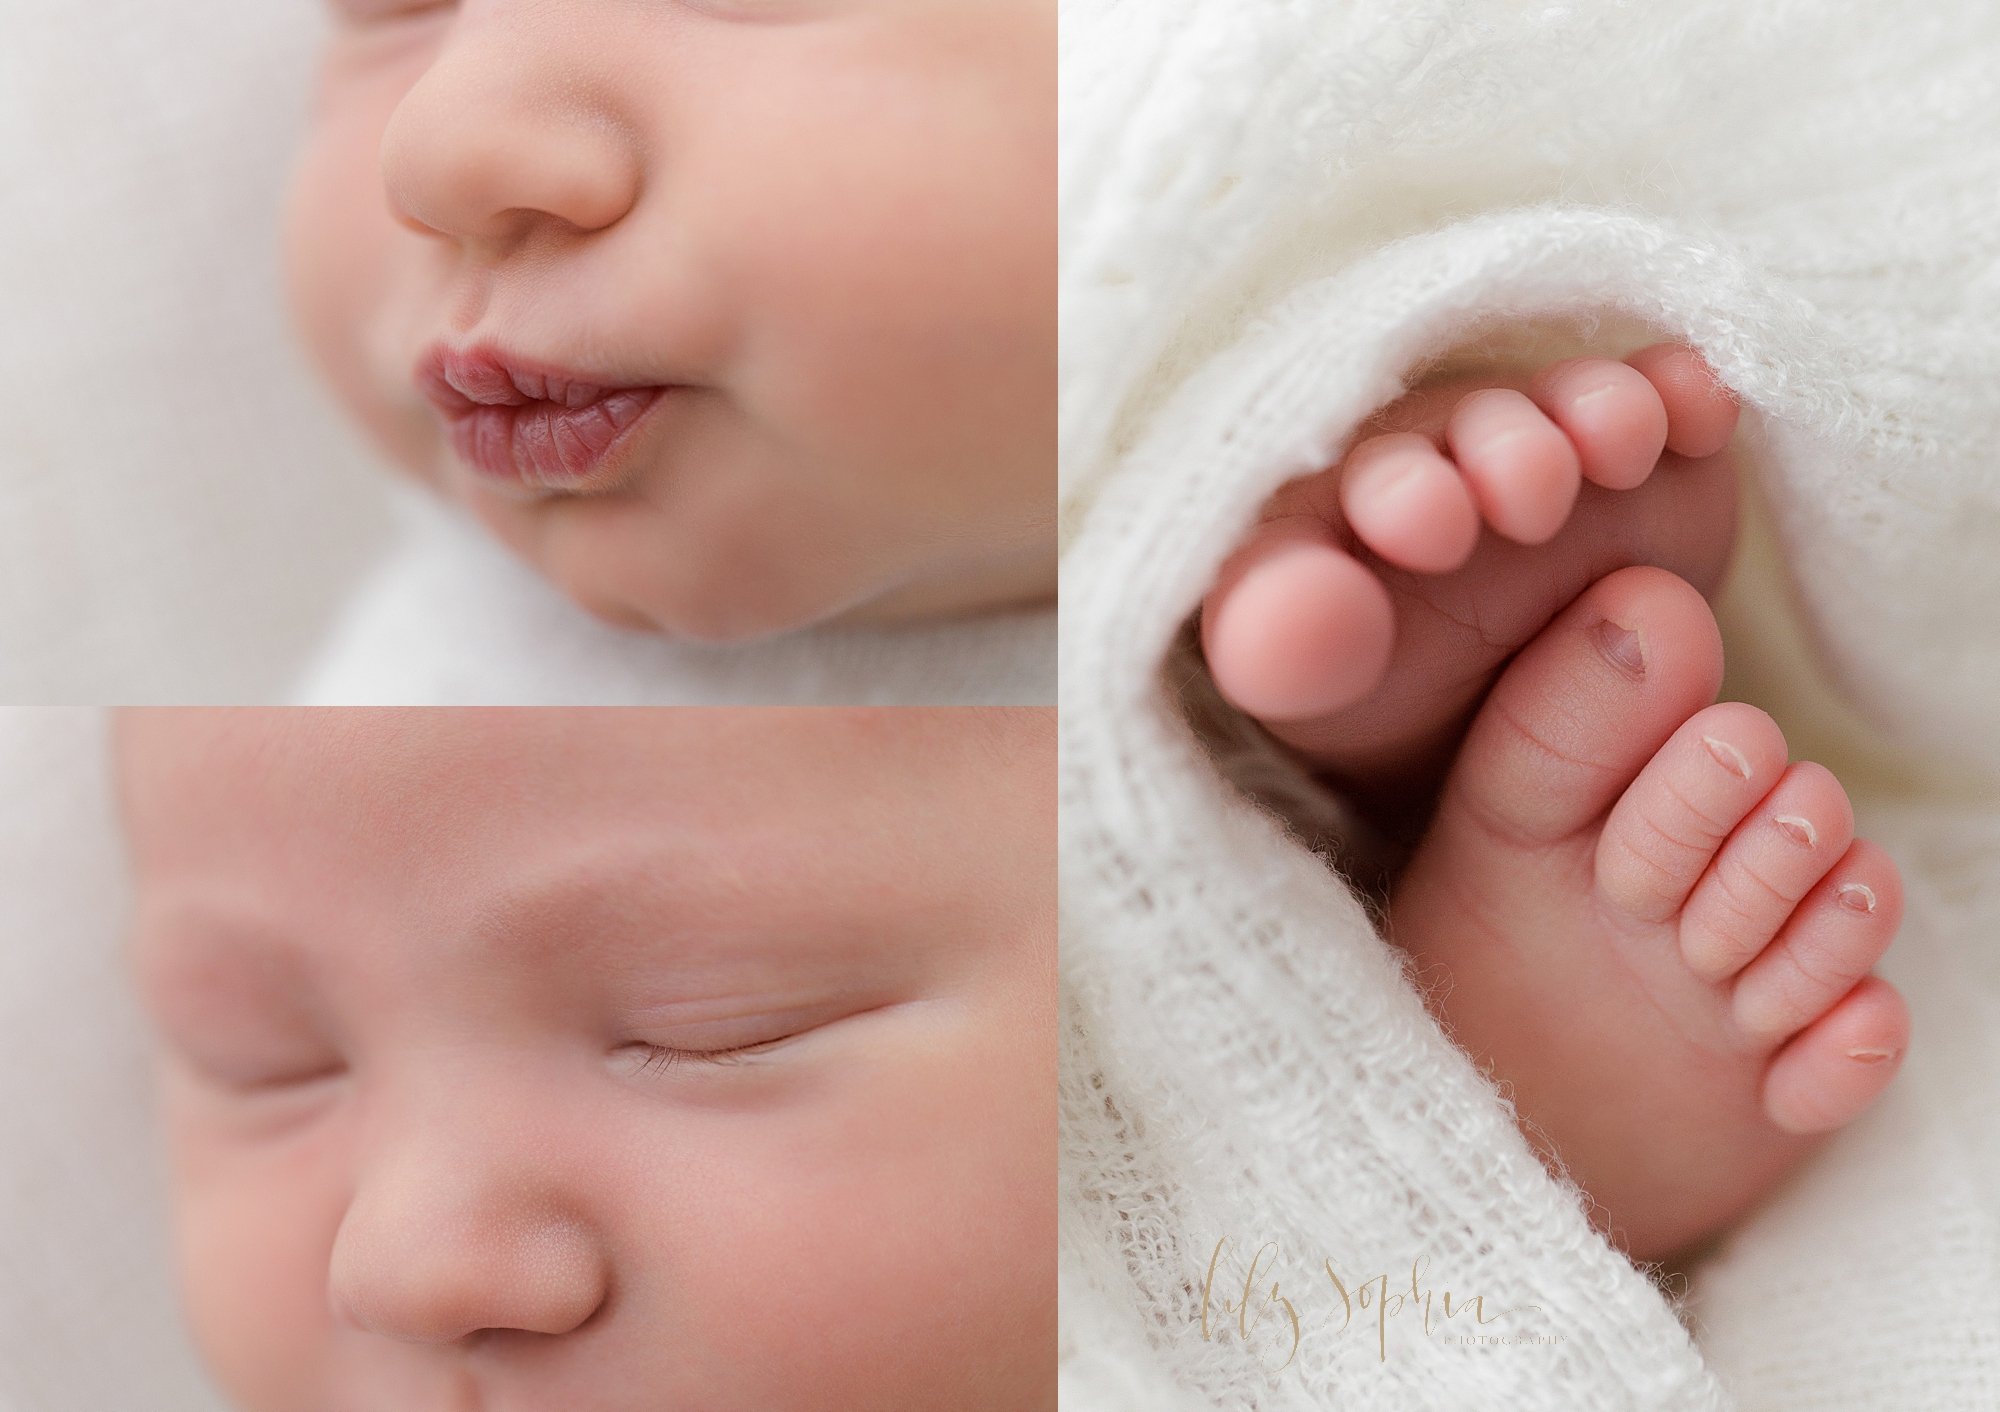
[(1584, 706), (1295, 626)]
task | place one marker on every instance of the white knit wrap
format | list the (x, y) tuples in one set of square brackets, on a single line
[(1274, 212)]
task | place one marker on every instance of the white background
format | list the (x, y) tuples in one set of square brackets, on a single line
[(180, 505), (88, 1318)]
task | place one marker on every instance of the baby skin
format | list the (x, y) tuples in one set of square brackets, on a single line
[(1623, 900), (716, 367), (605, 1061)]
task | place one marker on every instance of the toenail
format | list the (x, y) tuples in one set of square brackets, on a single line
[(1620, 646), (1873, 1056), (1595, 394), (1799, 829), (1856, 897), (1501, 438), (1394, 470), (1730, 758)]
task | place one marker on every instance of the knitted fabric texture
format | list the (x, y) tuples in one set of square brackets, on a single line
[(1276, 215)]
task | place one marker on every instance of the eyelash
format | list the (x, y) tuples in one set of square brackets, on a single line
[(660, 1058)]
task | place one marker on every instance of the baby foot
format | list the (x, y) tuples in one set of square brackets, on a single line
[(1655, 932), (1367, 614)]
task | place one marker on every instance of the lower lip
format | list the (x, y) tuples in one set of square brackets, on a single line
[(545, 446)]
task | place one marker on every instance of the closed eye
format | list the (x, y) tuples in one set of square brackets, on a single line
[(660, 1058), (365, 11), (235, 1077)]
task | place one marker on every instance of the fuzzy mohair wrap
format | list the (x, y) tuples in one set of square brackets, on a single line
[(1275, 216)]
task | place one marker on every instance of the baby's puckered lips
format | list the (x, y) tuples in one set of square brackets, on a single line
[(531, 425)]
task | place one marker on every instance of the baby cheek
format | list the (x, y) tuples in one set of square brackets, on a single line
[(912, 1268), (925, 421), (814, 1299), (253, 1247), (914, 336)]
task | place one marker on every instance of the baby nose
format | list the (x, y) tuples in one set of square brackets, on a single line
[(503, 130), (434, 1249)]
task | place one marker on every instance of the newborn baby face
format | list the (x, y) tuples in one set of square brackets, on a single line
[(613, 1061), (812, 240)]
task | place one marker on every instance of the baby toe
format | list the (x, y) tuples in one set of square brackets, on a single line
[(1835, 1067), (1405, 501), (1701, 412), (1834, 939), (1612, 415), (1582, 708), (1295, 626), (1663, 832), (1522, 470), (1769, 864)]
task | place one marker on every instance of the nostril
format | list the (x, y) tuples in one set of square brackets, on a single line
[(409, 222)]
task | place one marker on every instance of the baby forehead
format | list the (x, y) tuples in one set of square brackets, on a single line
[(578, 904), (609, 917), (391, 786), (194, 742), (721, 848), (149, 742)]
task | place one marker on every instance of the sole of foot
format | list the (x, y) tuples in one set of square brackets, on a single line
[(1652, 927)]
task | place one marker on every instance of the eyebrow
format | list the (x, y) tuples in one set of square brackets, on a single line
[(623, 912), (191, 958)]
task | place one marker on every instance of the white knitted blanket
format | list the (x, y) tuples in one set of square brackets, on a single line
[(450, 618), (1274, 214)]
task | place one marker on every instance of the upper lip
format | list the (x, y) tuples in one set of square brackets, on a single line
[(458, 380)]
